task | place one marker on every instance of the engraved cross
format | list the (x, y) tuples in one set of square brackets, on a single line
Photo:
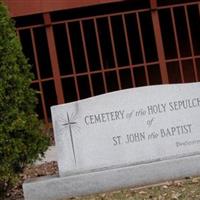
[(69, 124)]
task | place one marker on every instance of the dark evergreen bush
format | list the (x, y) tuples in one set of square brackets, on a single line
[(21, 133)]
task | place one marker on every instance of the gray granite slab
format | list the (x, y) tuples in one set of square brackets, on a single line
[(133, 126), (55, 188)]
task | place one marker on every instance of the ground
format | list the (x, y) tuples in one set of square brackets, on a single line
[(185, 189), (46, 169)]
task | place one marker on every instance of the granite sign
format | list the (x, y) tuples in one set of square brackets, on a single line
[(123, 139), (127, 127)]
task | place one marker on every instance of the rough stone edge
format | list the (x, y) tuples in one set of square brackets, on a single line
[(55, 188)]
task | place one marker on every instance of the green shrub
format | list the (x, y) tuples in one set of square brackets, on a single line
[(21, 133)]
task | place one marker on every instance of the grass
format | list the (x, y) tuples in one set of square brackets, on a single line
[(186, 189)]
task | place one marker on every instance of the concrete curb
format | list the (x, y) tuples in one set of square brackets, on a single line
[(55, 188), (50, 155)]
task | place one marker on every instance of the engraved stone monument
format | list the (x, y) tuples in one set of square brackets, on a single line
[(122, 139)]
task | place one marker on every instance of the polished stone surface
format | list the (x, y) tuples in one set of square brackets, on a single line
[(128, 127)]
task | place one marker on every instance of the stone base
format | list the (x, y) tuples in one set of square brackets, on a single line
[(54, 188)]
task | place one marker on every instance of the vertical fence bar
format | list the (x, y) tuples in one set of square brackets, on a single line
[(199, 15), (191, 45), (53, 58), (38, 75), (199, 7), (159, 42), (100, 54), (72, 60), (142, 48), (177, 44), (128, 50), (86, 57), (114, 52)]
